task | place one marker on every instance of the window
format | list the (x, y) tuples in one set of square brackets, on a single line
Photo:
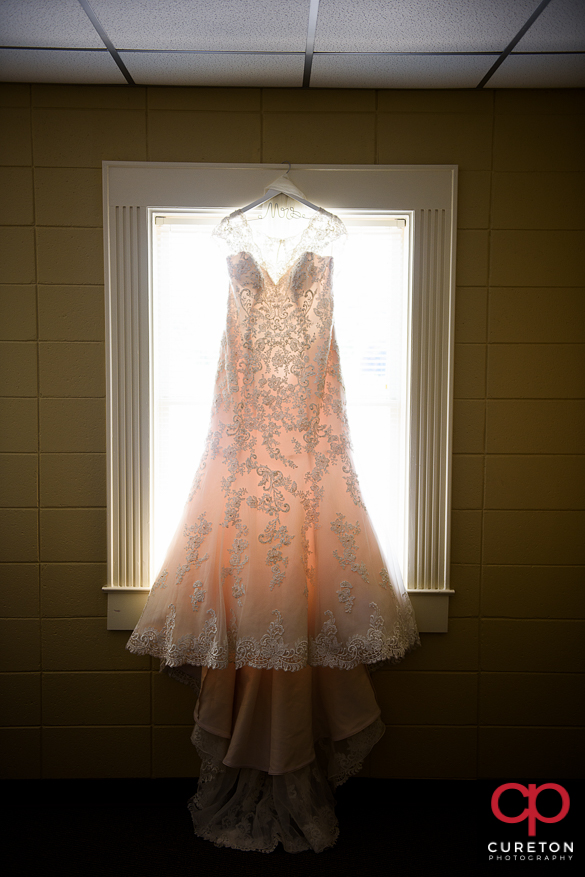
[(189, 288), (397, 366)]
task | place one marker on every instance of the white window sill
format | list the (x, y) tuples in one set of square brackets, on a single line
[(431, 608)]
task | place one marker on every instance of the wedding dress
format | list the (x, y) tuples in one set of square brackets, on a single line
[(274, 599)]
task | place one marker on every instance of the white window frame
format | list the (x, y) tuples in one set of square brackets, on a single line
[(132, 192)]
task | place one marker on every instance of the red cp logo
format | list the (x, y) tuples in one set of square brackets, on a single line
[(531, 812)]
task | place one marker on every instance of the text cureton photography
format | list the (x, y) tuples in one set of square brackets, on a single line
[(531, 851)]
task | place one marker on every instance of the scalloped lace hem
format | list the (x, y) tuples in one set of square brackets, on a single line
[(377, 647), (249, 809)]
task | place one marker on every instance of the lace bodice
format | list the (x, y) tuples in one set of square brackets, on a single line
[(273, 253)]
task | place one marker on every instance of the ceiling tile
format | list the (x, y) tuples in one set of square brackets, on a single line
[(419, 25), (49, 65), (237, 25), (399, 71), (173, 27), (56, 23), (559, 28), (188, 68), (540, 71)]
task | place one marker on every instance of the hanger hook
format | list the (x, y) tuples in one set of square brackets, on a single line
[(287, 171)]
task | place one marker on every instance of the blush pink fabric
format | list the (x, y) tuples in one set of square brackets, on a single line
[(272, 719)]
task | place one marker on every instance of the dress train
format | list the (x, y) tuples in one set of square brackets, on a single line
[(274, 746)]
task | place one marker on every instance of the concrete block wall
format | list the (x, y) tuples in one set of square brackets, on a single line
[(501, 694)]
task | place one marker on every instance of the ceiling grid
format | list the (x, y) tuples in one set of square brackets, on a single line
[(296, 43)]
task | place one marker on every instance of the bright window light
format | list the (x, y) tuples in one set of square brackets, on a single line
[(190, 290)]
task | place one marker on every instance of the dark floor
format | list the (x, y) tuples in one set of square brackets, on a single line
[(143, 827)]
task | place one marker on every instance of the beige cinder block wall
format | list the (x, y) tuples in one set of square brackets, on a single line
[(500, 695)]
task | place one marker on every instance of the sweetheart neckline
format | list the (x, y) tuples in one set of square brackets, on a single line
[(262, 267)]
